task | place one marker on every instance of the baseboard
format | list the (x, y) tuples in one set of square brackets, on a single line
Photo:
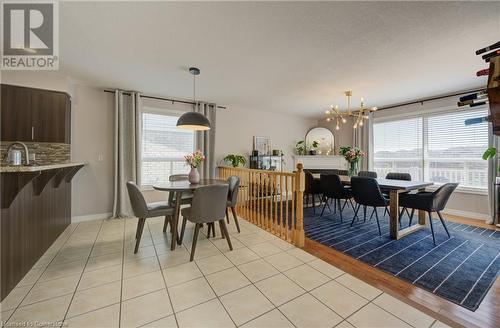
[(91, 217), (467, 214)]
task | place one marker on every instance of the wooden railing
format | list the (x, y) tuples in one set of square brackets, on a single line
[(271, 200)]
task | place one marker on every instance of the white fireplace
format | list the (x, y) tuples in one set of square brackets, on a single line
[(325, 162)]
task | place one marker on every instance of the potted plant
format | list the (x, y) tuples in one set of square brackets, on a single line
[(194, 160), (314, 147), (300, 147), (235, 160), (352, 155)]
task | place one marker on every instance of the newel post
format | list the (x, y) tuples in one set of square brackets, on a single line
[(298, 233)]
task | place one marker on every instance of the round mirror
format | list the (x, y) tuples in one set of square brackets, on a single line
[(320, 141)]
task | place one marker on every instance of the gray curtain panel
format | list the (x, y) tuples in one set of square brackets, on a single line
[(126, 149), (492, 174), (205, 140), (362, 137)]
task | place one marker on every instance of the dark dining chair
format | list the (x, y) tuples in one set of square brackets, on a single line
[(366, 192), (208, 206), (312, 188), (398, 176), (232, 198), (430, 202), (143, 210), (186, 196), (333, 189), (368, 174)]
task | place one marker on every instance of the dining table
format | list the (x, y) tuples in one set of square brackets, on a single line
[(178, 188), (395, 188)]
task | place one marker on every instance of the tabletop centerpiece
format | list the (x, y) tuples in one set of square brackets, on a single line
[(352, 155), (194, 160)]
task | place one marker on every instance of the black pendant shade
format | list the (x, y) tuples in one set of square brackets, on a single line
[(193, 121)]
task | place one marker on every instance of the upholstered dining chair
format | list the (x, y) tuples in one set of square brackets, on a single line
[(430, 202), (366, 192), (208, 206), (186, 196), (397, 176), (333, 189), (232, 198), (369, 174), (143, 210), (312, 188)]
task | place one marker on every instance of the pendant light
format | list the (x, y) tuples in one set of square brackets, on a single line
[(193, 120)]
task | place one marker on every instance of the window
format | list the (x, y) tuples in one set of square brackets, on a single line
[(434, 147), (397, 147), (163, 147)]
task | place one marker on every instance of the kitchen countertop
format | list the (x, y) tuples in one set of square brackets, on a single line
[(34, 168)]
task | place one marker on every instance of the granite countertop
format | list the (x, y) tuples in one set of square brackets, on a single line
[(34, 168)]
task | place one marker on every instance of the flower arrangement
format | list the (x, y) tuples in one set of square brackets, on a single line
[(352, 155), (195, 159)]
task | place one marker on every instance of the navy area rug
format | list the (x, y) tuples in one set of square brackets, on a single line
[(460, 269)]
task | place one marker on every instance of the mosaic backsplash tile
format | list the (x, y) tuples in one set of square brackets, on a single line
[(45, 152)]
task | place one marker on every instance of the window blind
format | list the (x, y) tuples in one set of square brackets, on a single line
[(434, 147), (454, 150), (163, 148), (397, 147)]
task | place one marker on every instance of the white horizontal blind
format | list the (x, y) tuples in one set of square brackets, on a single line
[(163, 148), (397, 147), (434, 147), (454, 149)]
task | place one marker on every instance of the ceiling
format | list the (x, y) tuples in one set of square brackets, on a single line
[(286, 57)]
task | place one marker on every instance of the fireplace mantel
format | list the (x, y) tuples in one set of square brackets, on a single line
[(325, 162)]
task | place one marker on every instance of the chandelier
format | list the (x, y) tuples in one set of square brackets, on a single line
[(358, 115)]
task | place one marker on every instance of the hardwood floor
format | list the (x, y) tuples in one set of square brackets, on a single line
[(487, 315)]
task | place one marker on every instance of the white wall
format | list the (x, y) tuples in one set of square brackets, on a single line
[(92, 136)]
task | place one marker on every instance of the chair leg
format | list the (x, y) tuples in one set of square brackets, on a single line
[(325, 199), (183, 228), (223, 235), (401, 215), (352, 205), (195, 239), (314, 204), (411, 216), (355, 214), (334, 206), (432, 228), (227, 215), (165, 223), (373, 212), (209, 227), (213, 229), (386, 211), (140, 228), (323, 209), (226, 233), (364, 213), (340, 210), (444, 224), (235, 217), (378, 223)]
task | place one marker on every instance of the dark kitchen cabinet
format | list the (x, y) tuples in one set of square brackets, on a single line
[(36, 115)]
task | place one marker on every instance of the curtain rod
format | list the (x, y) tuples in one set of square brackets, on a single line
[(421, 101), (161, 98)]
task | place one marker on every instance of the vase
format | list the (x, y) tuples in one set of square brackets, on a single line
[(353, 169), (194, 176)]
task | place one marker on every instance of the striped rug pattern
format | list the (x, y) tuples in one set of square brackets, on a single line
[(460, 269)]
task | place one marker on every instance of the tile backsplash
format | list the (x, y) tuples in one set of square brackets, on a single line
[(45, 152)]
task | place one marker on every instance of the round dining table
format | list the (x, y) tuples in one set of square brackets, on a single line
[(179, 187)]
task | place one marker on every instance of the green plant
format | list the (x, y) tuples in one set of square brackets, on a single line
[(490, 152), (235, 160), (315, 144), (300, 147)]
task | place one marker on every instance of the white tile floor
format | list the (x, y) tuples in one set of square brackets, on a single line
[(91, 278)]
